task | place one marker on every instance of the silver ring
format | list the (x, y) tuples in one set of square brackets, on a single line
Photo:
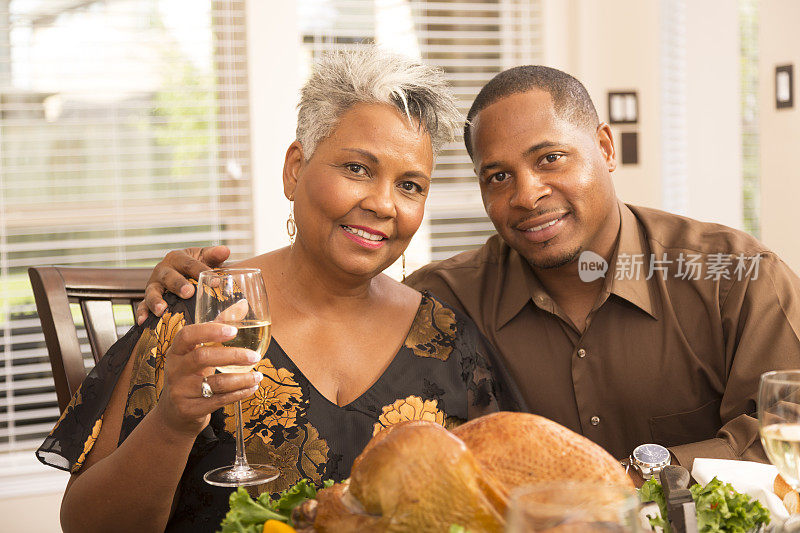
[(205, 390)]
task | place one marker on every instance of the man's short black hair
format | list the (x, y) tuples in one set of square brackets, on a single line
[(570, 98)]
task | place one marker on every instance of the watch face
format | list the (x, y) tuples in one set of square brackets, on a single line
[(651, 454)]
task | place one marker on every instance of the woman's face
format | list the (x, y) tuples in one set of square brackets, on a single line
[(361, 196)]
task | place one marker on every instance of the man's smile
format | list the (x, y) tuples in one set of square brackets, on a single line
[(542, 228)]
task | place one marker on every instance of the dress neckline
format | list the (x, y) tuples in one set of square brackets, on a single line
[(394, 362)]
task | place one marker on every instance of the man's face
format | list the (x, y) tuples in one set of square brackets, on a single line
[(545, 182)]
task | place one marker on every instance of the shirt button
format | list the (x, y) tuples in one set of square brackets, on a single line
[(595, 420), (581, 353)]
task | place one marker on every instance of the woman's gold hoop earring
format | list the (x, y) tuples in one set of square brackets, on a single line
[(291, 227), (403, 263)]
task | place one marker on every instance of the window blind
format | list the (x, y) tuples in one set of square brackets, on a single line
[(748, 32), (674, 132), (471, 41), (124, 133)]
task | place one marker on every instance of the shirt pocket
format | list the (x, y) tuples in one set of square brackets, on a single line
[(690, 426)]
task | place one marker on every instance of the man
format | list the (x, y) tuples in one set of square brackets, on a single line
[(628, 325)]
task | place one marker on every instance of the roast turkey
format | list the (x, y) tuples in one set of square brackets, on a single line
[(520, 449), (417, 476)]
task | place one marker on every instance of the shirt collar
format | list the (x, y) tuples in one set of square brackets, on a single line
[(521, 285), (632, 246)]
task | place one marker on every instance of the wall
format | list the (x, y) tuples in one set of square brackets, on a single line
[(616, 45), (274, 70), (31, 514), (714, 112), (779, 43), (30, 495)]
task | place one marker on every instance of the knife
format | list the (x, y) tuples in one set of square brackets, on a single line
[(681, 511)]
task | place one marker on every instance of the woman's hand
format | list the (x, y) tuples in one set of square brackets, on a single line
[(181, 407), (172, 272)]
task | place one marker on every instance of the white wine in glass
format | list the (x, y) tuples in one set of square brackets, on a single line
[(782, 442), (779, 421), (251, 334), (238, 297)]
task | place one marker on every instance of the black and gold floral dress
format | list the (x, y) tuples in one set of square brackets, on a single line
[(440, 374)]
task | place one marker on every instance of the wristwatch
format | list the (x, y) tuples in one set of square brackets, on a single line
[(649, 459)]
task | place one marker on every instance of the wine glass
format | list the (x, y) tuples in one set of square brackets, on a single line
[(779, 421), (572, 506), (238, 297)]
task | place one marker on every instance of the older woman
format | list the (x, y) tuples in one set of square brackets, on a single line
[(352, 350)]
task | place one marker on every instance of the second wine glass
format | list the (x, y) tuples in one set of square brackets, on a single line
[(572, 507), (779, 421), (238, 297)]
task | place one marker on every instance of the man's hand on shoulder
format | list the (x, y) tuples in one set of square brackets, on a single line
[(172, 273)]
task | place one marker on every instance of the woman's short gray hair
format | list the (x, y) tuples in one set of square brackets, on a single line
[(371, 75)]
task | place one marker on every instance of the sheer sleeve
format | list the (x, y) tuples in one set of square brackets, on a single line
[(506, 392), (489, 386), (79, 425)]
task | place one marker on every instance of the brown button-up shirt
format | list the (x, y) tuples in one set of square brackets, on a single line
[(689, 317)]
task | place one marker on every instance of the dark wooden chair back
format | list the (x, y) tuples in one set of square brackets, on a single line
[(96, 290)]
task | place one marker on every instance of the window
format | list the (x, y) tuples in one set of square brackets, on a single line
[(123, 133)]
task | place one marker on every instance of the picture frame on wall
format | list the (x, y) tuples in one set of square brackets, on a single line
[(784, 87), (623, 107)]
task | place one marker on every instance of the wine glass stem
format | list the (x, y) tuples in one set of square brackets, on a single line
[(241, 460)]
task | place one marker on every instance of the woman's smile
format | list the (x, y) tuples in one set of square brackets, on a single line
[(366, 237)]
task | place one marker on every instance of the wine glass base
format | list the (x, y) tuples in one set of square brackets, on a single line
[(241, 476)]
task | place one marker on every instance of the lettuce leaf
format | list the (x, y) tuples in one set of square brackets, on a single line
[(247, 515), (294, 496), (719, 507), (651, 491)]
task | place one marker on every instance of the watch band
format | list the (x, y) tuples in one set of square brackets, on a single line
[(647, 472)]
